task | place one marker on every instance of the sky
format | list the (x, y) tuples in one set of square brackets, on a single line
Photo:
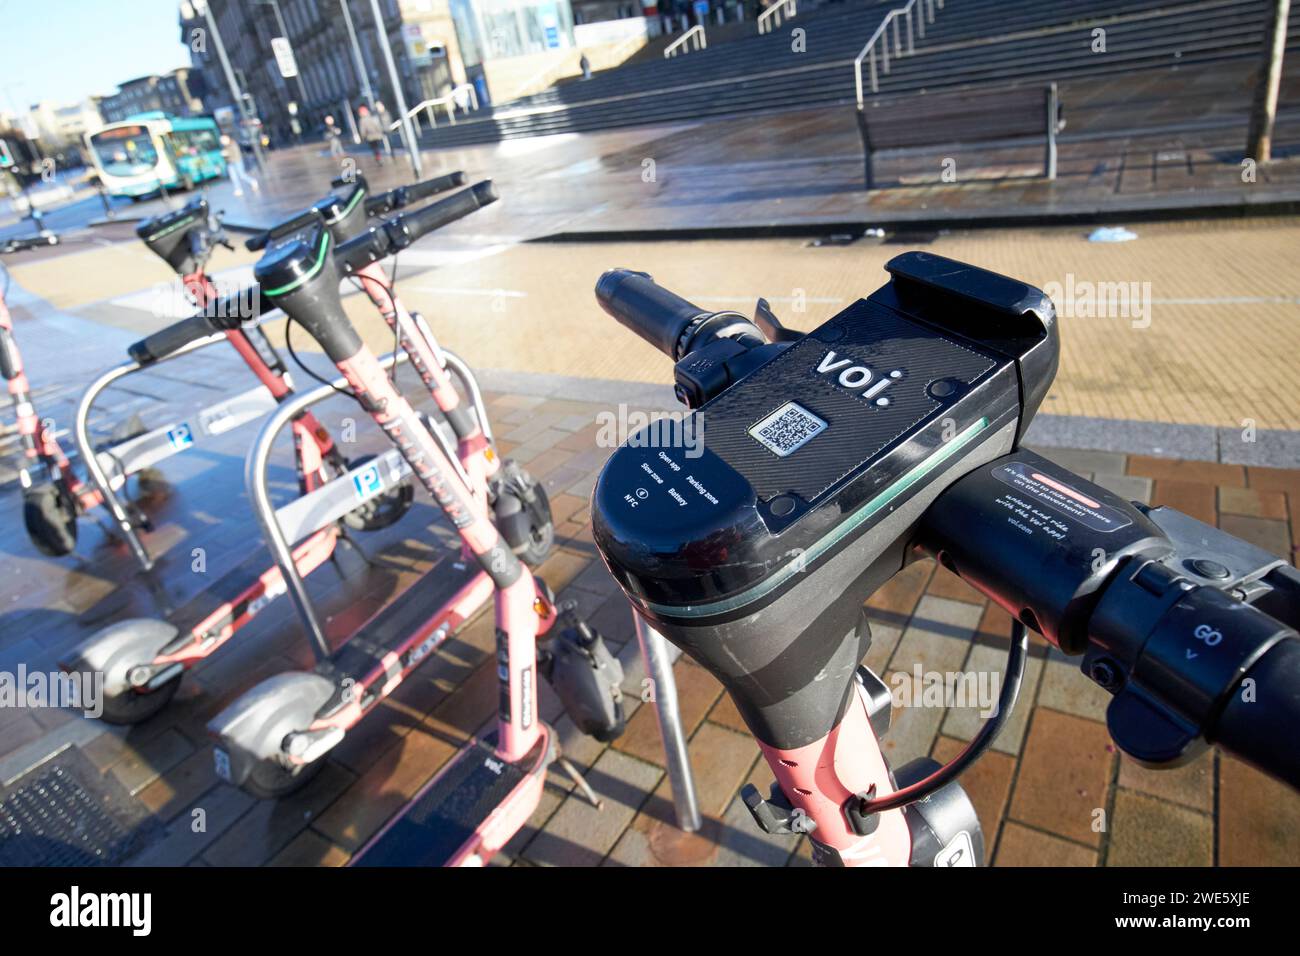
[(65, 50)]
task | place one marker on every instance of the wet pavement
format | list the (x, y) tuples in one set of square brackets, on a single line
[(1157, 144)]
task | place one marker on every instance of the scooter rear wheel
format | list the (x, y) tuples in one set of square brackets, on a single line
[(51, 520), (384, 509), (130, 707)]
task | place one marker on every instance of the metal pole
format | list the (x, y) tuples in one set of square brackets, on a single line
[(352, 121), (366, 91), (412, 146), (1263, 111), (284, 32), (362, 76), (230, 78), (654, 651)]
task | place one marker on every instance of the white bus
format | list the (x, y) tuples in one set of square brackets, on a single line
[(146, 153)]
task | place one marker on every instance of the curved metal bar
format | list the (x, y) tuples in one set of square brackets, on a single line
[(466, 376), (81, 433), (255, 481)]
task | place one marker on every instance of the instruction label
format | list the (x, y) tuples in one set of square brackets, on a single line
[(1036, 490)]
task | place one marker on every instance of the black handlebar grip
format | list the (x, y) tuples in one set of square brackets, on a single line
[(431, 187), (648, 309), (406, 195), (446, 211), (170, 339), (28, 242), (1261, 728)]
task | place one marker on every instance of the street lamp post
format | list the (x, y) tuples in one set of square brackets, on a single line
[(362, 76), (235, 92), (411, 145)]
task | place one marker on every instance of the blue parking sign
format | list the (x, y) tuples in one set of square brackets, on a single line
[(180, 437), (367, 482)]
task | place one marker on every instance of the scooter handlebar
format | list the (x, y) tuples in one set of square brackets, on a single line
[(404, 196), (637, 302), (1261, 728), (393, 235), (170, 339), (28, 242)]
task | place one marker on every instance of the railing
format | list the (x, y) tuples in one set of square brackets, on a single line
[(463, 94), (695, 34), (916, 21), (772, 17)]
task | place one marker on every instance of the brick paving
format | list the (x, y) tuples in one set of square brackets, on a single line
[(1054, 791)]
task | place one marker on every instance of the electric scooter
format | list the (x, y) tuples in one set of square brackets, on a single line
[(185, 240), (144, 659), (278, 733), (893, 432), (274, 738), (54, 496)]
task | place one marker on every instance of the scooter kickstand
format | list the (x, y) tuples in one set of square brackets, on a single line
[(576, 775)]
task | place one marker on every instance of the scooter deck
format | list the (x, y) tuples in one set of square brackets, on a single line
[(393, 640), (452, 807), (229, 597)]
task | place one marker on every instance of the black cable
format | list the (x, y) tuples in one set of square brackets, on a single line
[(288, 344), (952, 769), (391, 292)]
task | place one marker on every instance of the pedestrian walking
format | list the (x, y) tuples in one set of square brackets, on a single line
[(372, 131), (235, 167), (334, 137)]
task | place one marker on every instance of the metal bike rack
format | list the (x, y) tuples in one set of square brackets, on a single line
[(158, 444), (308, 514), (659, 668)]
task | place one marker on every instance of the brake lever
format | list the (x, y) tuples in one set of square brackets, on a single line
[(771, 326)]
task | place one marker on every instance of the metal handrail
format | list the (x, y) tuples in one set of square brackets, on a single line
[(701, 41), (915, 28), (448, 102), (765, 24)]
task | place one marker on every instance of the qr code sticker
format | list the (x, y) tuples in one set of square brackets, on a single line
[(787, 429)]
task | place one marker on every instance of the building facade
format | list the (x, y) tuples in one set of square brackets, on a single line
[(171, 93), (436, 45)]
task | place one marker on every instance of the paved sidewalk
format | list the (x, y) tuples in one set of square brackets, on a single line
[(1051, 776), (1191, 324)]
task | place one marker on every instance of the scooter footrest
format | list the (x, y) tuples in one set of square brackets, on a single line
[(453, 805)]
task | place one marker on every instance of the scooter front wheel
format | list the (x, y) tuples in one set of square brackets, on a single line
[(271, 780), (132, 707), (541, 532)]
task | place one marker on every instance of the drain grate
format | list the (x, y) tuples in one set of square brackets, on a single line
[(52, 820)]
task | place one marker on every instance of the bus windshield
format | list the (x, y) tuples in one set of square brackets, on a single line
[(125, 150)]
